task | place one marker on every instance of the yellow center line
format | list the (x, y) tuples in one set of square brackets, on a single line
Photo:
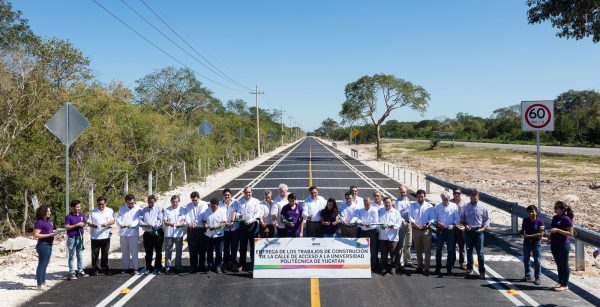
[(315, 295)]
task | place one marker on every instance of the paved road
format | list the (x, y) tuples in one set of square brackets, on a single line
[(583, 151), (333, 172)]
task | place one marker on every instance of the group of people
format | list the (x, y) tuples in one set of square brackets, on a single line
[(217, 230)]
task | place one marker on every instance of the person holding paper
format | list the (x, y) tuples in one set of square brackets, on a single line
[(174, 223), (330, 218), (348, 210), (476, 219), (152, 221), (128, 219), (402, 204), (267, 229), (459, 230), (197, 241), (279, 201), (446, 218), (368, 222), (215, 220), (421, 216), (74, 223), (291, 215), (44, 232), (100, 221), (311, 213), (391, 224), (230, 236), (248, 213)]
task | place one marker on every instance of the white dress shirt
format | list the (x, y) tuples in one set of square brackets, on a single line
[(448, 214), (402, 204), (248, 210), (390, 218), (229, 210), (312, 207), (266, 211), (348, 212), (421, 214), (368, 217), (175, 216), (98, 218), (358, 201), (278, 204), (194, 213), (130, 218), (213, 219)]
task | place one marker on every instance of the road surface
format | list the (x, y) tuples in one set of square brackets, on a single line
[(563, 150), (333, 172)]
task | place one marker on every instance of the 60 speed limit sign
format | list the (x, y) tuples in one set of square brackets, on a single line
[(537, 115)]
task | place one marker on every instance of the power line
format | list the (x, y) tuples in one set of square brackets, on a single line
[(172, 41), (162, 50), (191, 47)]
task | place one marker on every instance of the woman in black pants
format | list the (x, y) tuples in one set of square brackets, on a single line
[(562, 229)]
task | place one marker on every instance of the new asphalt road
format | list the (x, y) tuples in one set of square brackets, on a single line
[(333, 172)]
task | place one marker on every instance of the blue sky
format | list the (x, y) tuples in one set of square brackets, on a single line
[(472, 56)]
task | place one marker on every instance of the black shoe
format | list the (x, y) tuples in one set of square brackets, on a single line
[(107, 272), (526, 278), (448, 272), (438, 272), (398, 271), (419, 270), (426, 272), (193, 271)]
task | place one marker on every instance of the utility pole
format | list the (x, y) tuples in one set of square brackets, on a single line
[(257, 122), (296, 132), (281, 114), (290, 117)]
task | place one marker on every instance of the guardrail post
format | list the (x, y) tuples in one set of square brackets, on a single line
[(150, 182), (417, 181), (126, 184), (404, 176), (427, 186), (579, 255), (411, 177), (514, 223), (393, 172), (384, 168)]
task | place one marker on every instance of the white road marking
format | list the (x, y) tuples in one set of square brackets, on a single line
[(511, 286), (116, 293), (314, 171), (306, 178), (133, 291)]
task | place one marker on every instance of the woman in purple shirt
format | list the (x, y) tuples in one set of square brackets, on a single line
[(43, 230), (532, 232), (329, 219), (291, 215), (560, 245)]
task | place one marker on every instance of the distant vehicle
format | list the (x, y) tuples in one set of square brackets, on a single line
[(443, 135)]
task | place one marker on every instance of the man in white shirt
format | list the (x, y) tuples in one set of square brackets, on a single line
[(128, 220), (174, 223), (279, 201), (215, 220), (459, 232), (388, 236), (230, 237), (446, 217), (402, 204), (368, 222), (311, 212), (421, 215), (356, 200), (154, 236), (378, 200), (248, 213), (100, 221), (267, 229), (197, 241), (348, 217)]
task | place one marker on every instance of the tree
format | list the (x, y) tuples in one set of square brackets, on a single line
[(364, 96), (329, 126), (577, 116), (15, 30), (574, 18), (173, 91), (237, 106)]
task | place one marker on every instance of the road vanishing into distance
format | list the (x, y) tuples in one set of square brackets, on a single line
[(333, 172), (563, 150)]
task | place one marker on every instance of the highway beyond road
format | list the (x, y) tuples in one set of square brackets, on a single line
[(333, 172)]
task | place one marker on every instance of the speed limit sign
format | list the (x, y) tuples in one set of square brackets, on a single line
[(537, 115)]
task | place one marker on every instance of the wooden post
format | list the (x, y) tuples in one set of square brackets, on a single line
[(91, 196), (184, 172), (171, 179), (126, 184), (150, 183), (199, 167)]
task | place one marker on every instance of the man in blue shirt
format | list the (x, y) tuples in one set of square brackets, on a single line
[(476, 219)]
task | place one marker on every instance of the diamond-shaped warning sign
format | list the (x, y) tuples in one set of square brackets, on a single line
[(67, 124)]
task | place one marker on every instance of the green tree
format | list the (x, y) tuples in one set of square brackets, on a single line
[(329, 126), (574, 18), (369, 93)]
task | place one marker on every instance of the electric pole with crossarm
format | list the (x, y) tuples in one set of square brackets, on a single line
[(257, 122)]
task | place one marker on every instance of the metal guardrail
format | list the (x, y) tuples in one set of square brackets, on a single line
[(582, 234), (334, 144), (354, 153)]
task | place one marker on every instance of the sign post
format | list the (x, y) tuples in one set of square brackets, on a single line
[(67, 125), (205, 129), (537, 116), (355, 133)]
